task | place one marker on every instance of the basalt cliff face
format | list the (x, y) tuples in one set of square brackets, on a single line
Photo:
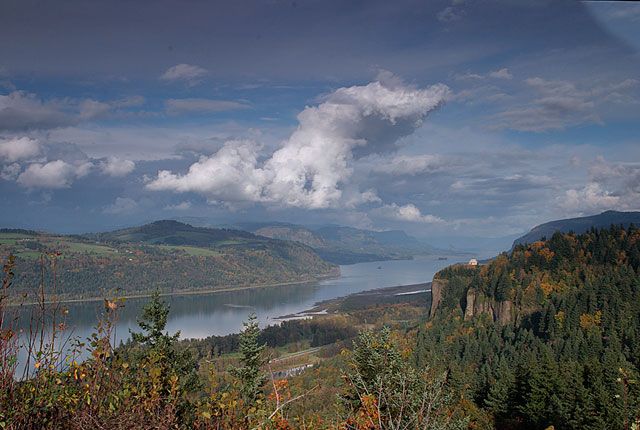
[(478, 304), (436, 294), (452, 289)]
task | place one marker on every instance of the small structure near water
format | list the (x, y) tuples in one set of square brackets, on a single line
[(473, 262)]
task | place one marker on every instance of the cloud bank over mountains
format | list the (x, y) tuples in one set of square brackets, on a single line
[(313, 168)]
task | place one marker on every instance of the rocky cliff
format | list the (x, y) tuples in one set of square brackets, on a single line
[(478, 304), (436, 294), (458, 293)]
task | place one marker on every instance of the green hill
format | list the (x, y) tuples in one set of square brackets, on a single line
[(166, 255), (169, 232)]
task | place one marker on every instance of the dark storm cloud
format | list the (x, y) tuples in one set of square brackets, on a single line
[(22, 111), (560, 104), (276, 39)]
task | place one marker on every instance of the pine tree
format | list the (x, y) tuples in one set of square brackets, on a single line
[(503, 286), (501, 389), (250, 374), (153, 322), (158, 346)]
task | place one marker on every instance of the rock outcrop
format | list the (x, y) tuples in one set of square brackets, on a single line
[(436, 294), (478, 304)]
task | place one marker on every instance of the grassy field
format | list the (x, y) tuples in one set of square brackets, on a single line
[(27, 255), (30, 246), (191, 250), (12, 238), (90, 248)]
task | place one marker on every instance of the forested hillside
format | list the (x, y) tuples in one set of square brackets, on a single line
[(167, 256), (579, 225), (546, 335)]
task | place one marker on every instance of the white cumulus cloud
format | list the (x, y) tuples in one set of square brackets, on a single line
[(121, 206), (54, 174), (19, 149), (592, 197), (315, 164), (408, 212), (188, 73), (117, 167), (230, 174), (611, 185)]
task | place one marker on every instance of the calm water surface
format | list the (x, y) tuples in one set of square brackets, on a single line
[(202, 315)]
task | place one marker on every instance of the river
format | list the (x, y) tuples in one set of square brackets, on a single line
[(202, 315)]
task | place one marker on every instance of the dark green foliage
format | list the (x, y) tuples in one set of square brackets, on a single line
[(171, 232), (374, 355), (501, 389), (153, 322), (317, 332), (157, 345), (251, 373), (575, 333)]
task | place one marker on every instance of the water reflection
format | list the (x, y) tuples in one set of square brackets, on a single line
[(198, 316)]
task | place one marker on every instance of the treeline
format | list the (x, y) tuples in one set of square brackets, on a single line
[(316, 332), (567, 351)]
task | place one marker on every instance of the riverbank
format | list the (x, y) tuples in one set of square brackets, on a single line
[(364, 299), (188, 292)]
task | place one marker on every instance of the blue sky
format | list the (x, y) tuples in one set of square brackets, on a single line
[(443, 118)]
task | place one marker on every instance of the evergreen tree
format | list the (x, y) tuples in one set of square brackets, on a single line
[(153, 322), (503, 286), (575, 332), (157, 346), (501, 390), (250, 374)]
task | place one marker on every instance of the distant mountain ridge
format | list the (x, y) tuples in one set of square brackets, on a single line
[(337, 244), (345, 245), (579, 225)]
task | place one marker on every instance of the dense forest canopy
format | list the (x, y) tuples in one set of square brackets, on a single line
[(546, 335)]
